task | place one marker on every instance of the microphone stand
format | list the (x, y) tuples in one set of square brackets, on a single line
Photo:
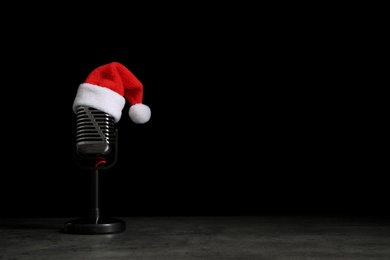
[(95, 224)]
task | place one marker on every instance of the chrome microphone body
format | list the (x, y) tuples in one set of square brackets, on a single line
[(95, 132)]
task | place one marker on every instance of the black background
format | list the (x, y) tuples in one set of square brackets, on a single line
[(246, 120)]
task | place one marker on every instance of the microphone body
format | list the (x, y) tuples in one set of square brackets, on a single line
[(95, 132), (96, 135)]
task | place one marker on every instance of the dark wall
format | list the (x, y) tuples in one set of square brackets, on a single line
[(238, 129)]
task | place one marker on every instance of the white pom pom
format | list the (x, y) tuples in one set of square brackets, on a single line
[(139, 113)]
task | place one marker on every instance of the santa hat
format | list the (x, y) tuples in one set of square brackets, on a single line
[(108, 87)]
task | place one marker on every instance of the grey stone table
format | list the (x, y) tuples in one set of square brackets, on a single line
[(202, 237)]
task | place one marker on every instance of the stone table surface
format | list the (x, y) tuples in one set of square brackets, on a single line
[(202, 237)]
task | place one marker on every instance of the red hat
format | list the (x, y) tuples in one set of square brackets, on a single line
[(108, 87)]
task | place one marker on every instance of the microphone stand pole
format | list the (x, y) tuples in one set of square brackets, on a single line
[(95, 214)]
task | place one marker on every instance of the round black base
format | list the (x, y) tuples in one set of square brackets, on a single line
[(87, 226)]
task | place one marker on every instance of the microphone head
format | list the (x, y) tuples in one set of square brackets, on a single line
[(95, 132)]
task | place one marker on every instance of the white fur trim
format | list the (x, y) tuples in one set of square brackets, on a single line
[(101, 98), (139, 113)]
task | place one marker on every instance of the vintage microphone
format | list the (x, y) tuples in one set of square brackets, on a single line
[(98, 107), (96, 138), (94, 132), (96, 148)]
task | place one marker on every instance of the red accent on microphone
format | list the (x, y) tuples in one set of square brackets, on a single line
[(100, 161)]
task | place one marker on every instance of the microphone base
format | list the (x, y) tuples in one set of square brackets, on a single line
[(88, 226)]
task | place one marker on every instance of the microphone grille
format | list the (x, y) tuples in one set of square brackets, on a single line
[(95, 131)]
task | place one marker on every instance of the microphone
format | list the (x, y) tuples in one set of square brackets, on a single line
[(96, 143), (96, 136)]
